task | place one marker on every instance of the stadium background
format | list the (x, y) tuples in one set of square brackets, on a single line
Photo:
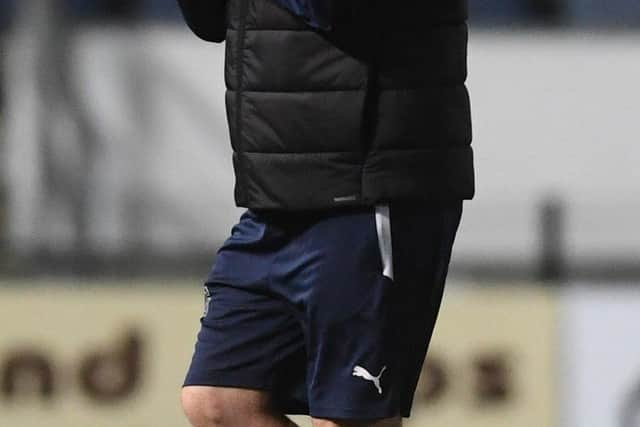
[(116, 190)]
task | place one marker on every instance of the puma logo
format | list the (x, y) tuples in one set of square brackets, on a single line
[(361, 372)]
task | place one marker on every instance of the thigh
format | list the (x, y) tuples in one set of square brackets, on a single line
[(369, 323), (338, 265), (423, 238), (246, 337)]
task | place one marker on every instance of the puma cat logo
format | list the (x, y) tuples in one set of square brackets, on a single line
[(361, 372)]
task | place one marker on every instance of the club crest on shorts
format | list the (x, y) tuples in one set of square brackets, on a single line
[(361, 372), (207, 301)]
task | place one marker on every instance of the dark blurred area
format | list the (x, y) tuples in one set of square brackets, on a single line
[(103, 10), (573, 13), (486, 12)]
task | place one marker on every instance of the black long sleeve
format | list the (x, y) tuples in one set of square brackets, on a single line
[(206, 18)]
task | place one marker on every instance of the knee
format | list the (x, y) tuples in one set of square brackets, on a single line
[(390, 422), (332, 423), (203, 408)]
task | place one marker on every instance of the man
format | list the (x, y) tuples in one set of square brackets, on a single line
[(352, 153)]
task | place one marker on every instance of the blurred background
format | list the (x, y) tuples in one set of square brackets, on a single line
[(116, 189)]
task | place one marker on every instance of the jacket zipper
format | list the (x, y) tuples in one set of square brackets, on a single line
[(239, 59)]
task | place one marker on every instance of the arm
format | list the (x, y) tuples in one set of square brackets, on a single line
[(206, 18)]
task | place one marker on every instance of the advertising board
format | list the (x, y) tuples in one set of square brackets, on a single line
[(113, 355)]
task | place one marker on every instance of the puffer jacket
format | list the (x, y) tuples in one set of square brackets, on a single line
[(373, 110)]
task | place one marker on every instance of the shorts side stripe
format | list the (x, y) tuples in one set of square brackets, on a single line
[(383, 228)]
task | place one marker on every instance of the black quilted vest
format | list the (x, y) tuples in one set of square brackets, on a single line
[(372, 111)]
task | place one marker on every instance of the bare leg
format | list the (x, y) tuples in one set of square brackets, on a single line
[(230, 407), (391, 422)]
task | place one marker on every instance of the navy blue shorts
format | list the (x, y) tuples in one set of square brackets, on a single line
[(330, 312)]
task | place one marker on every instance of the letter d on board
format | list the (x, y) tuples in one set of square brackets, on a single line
[(111, 376)]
